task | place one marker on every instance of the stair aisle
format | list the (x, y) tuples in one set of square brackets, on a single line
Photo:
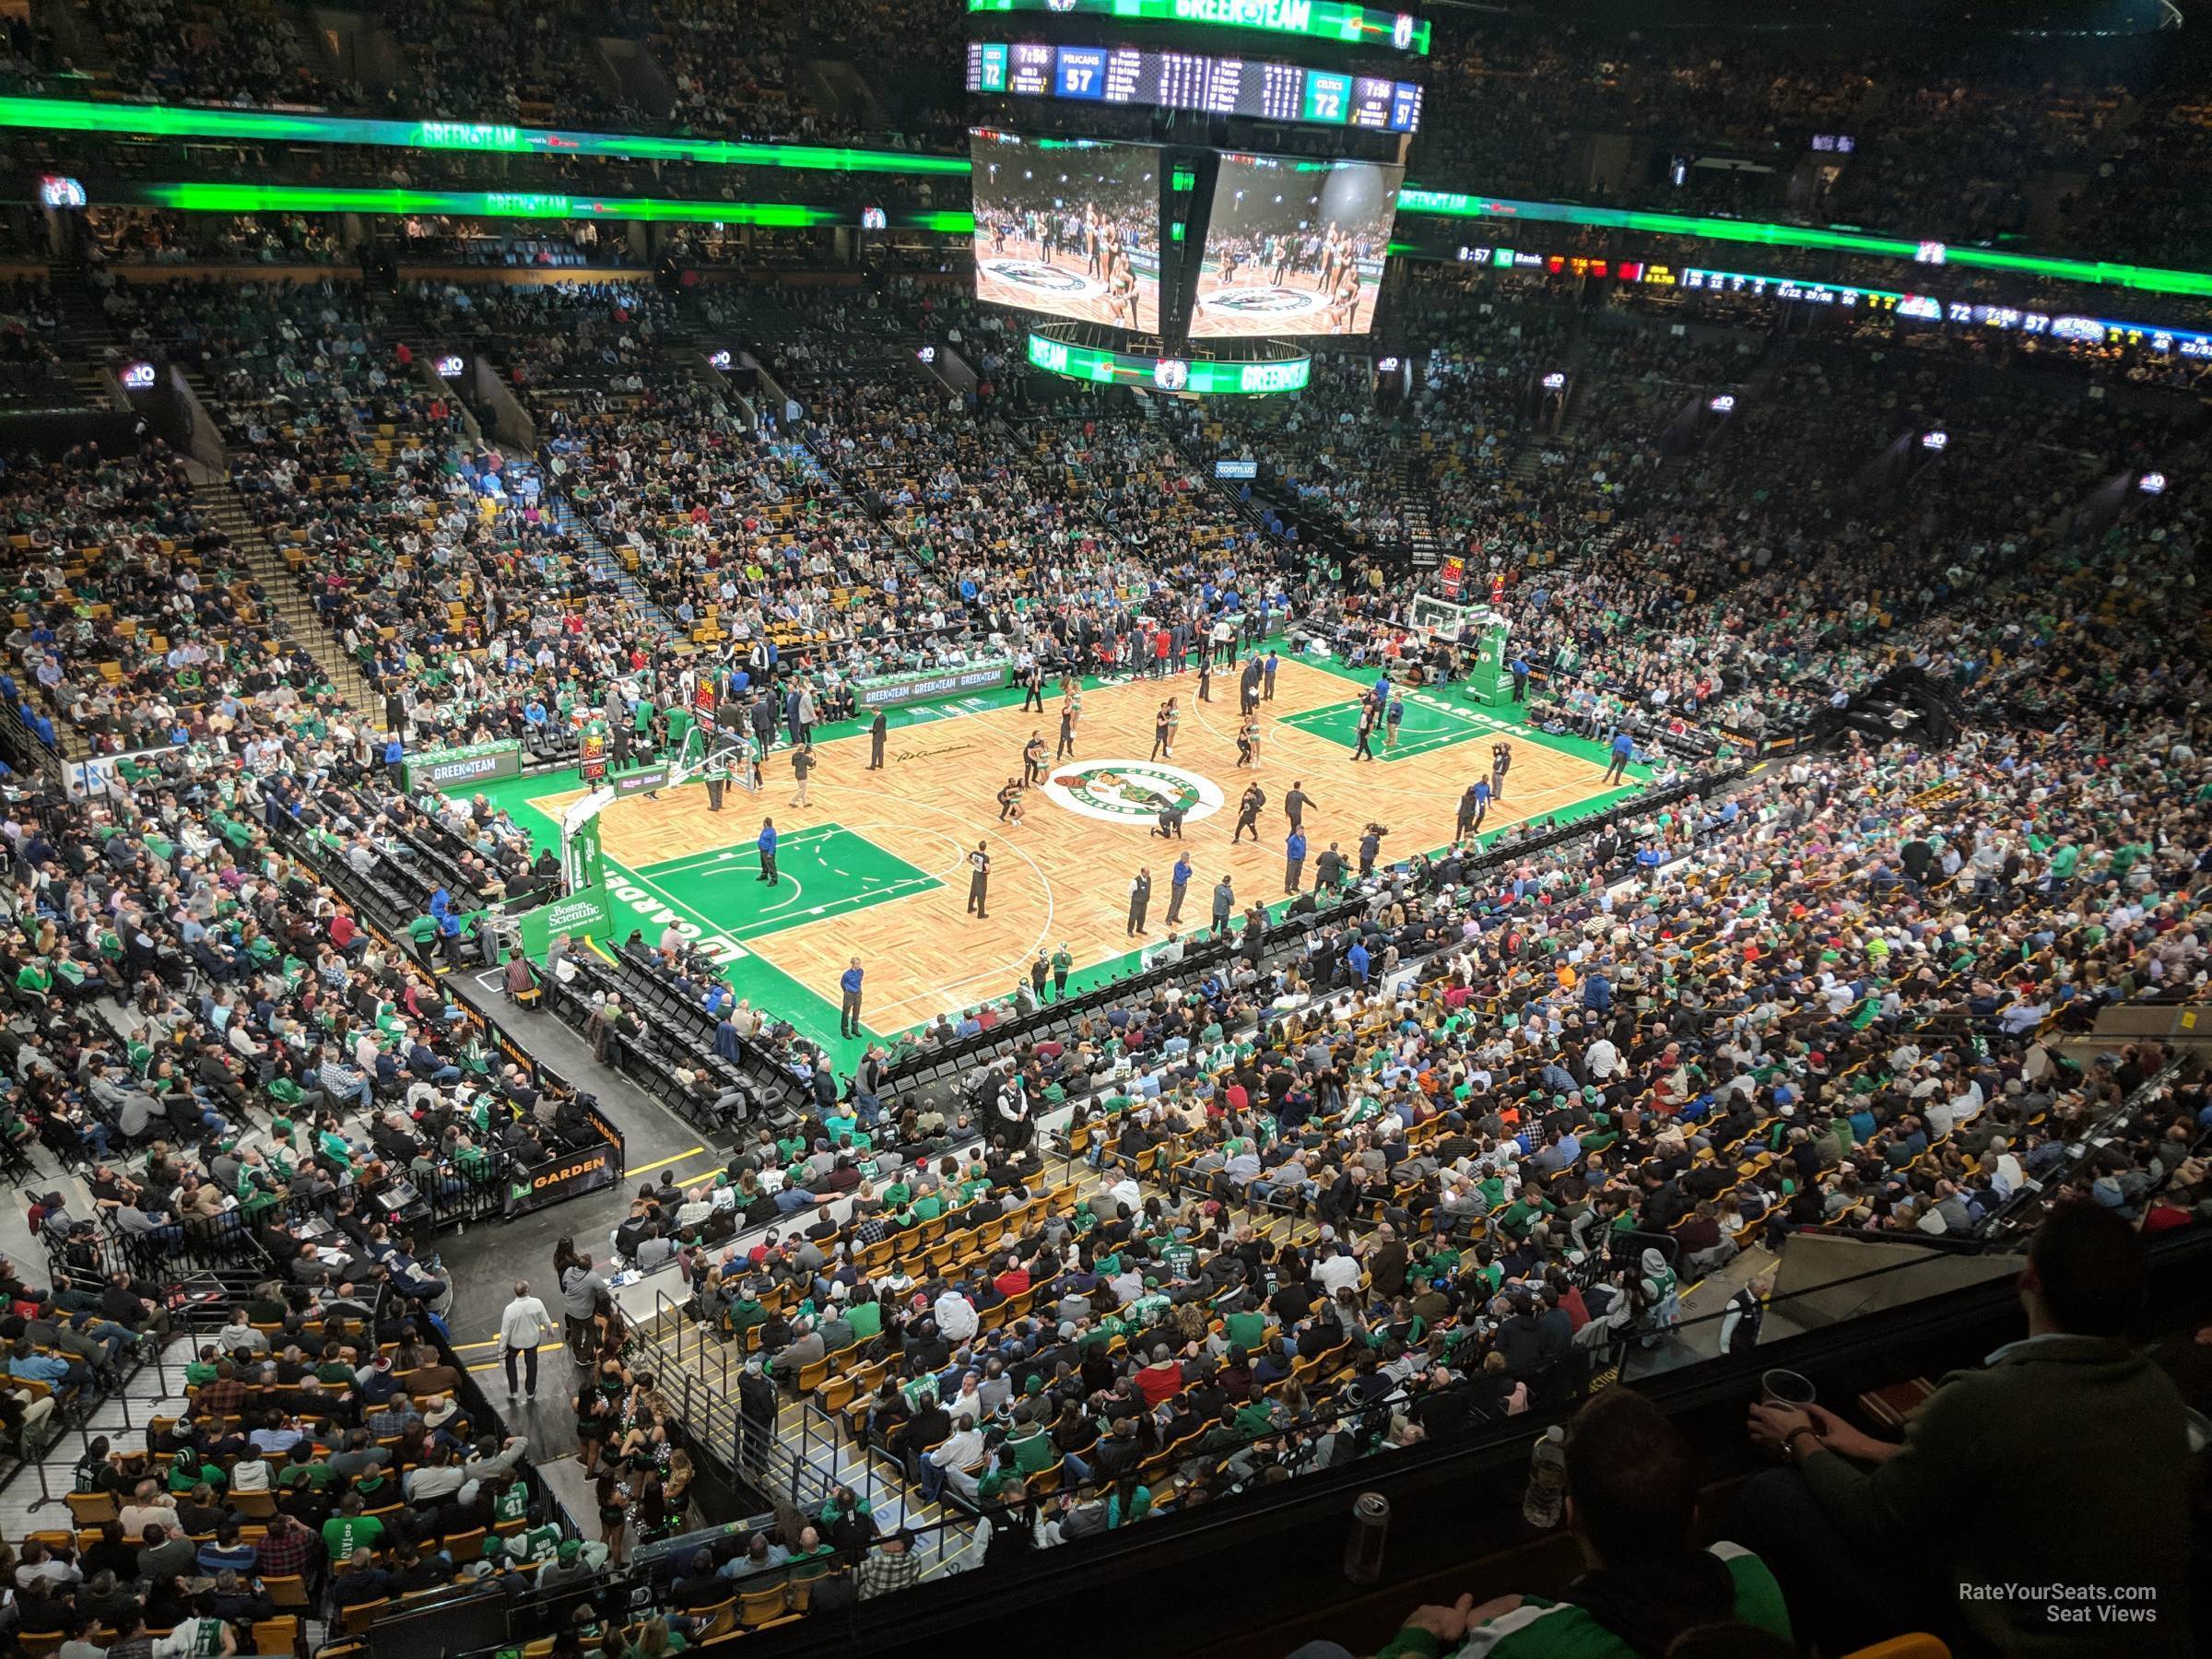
[(604, 560), (1416, 512), (85, 325), (225, 510)]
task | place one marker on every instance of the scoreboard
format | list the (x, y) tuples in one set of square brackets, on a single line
[(1189, 80), (1316, 20)]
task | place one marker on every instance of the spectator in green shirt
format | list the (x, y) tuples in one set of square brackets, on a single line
[(349, 1529)]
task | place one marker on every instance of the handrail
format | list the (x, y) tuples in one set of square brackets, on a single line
[(2081, 1147), (957, 1533)]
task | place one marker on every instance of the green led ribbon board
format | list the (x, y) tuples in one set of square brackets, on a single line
[(535, 204), (160, 120), (478, 203), (1197, 375), (1313, 20), (263, 126), (2150, 278)]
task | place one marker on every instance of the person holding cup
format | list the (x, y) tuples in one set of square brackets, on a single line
[(2061, 1462)]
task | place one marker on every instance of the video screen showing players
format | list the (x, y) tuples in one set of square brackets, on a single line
[(1295, 247), (1069, 229)]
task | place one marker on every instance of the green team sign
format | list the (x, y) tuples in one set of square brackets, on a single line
[(464, 767), (1198, 376), (1316, 20)]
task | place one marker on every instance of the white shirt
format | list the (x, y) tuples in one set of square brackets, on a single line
[(525, 1323), (960, 1447), (1339, 1273), (956, 1316)]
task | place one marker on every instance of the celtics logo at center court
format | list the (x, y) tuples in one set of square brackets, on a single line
[(1131, 791)]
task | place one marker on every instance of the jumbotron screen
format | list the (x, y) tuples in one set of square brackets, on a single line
[(1068, 229), (1295, 247)]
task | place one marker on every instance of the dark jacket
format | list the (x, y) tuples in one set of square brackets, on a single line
[(2076, 1450)]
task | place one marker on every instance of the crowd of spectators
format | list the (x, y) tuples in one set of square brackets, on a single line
[(500, 60), (1341, 1207), (1373, 1182), (164, 51), (2087, 147), (1949, 139)]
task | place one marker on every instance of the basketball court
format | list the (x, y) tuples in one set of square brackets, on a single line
[(1251, 305), (1062, 285), (876, 865)]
